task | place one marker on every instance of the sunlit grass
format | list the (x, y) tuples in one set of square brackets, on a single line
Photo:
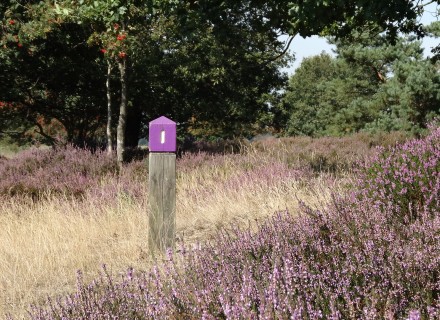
[(43, 243)]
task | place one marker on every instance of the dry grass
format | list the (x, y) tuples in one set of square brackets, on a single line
[(42, 245), (201, 214), (7, 152)]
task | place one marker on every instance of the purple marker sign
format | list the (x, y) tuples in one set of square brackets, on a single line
[(162, 135)]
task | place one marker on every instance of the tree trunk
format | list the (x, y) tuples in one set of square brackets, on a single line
[(109, 110), (122, 123), (132, 132)]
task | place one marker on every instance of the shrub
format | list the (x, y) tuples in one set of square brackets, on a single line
[(327, 154), (349, 261), (67, 171), (404, 179), (293, 268)]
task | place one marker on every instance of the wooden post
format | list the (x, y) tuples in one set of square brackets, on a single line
[(162, 185), (162, 198)]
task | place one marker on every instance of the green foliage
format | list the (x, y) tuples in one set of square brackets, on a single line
[(303, 97), (200, 63), (9, 147), (369, 86), (406, 93), (433, 30), (50, 77), (341, 17), (209, 65), (325, 96), (223, 77)]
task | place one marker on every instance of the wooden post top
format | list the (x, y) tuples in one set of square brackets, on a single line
[(162, 135)]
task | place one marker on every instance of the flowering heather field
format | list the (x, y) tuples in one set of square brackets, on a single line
[(364, 243)]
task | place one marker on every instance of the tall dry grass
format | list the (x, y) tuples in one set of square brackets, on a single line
[(43, 243)]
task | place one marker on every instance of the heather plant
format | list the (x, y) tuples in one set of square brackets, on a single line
[(66, 171), (43, 243), (405, 179), (344, 261), (129, 182), (327, 154), (74, 172), (293, 268)]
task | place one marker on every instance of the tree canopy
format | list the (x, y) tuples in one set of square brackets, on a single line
[(83, 71), (370, 85), (206, 66)]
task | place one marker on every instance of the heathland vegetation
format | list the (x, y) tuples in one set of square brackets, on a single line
[(282, 228)]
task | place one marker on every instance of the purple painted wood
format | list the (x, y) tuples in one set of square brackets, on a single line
[(162, 135)]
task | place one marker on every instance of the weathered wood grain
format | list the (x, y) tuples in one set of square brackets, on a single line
[(162, 200)]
